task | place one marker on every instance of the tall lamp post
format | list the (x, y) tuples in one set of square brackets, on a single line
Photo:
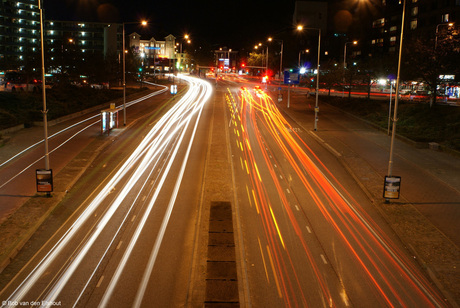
[(266, 58), (345, 60), (143, 23), (301, 28), (45, 111), (345, 53), (281, 55), (301, 52), (395, 114)]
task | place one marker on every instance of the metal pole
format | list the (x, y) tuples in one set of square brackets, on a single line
[(45, 111), (395, 116), (389, 110), (281, 60), (266, 69), (317, 80), (124, 78)]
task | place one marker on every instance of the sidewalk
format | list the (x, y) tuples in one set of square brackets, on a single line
[(427, 214)]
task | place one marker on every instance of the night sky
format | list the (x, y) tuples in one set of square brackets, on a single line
[(233, 23)]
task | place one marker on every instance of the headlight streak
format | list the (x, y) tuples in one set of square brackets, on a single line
[(152, 147), (355, 223), (128, 251), (69, 127)]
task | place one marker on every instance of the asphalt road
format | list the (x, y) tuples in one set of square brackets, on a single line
[(130, 239), (307, 234), (311, 236)]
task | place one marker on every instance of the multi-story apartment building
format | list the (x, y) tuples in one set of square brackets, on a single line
[(423, 18), (19, 31), (20, 38)]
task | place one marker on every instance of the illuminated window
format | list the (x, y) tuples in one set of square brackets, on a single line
[(414, 11), (445, 18), (394, 28), (413, 24), (393, 39)]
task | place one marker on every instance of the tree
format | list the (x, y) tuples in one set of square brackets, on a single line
[(256, 59), (331, 75), (428, 59)]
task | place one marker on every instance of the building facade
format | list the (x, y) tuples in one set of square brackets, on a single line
[(65, 41), (157, 56), (19, 32), (429, 19)]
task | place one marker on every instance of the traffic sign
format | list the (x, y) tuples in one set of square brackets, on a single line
[(291, 76)]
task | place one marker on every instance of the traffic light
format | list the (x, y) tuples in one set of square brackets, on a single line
[(140, 69), (243, 64)]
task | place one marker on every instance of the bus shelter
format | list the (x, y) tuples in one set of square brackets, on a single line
[(109, 119)]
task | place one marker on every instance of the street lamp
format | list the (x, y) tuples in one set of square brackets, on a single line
[(281, 55), (45, 111), (345, 62), (303, 51), (395, 114), (143, 23), (301, 28), (345, 53), (266, 58)]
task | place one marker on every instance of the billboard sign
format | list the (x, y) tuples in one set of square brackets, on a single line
[(44, 180)]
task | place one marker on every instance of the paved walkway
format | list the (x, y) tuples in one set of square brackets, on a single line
[(427, 215)]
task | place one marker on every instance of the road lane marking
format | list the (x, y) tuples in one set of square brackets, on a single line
[(119, 245), (308, 229), (324, 259), (134, 217), (99, 282)]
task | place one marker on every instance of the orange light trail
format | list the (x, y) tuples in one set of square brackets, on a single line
[(366, 242)]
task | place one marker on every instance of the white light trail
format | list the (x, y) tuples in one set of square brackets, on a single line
[(152, 147)]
